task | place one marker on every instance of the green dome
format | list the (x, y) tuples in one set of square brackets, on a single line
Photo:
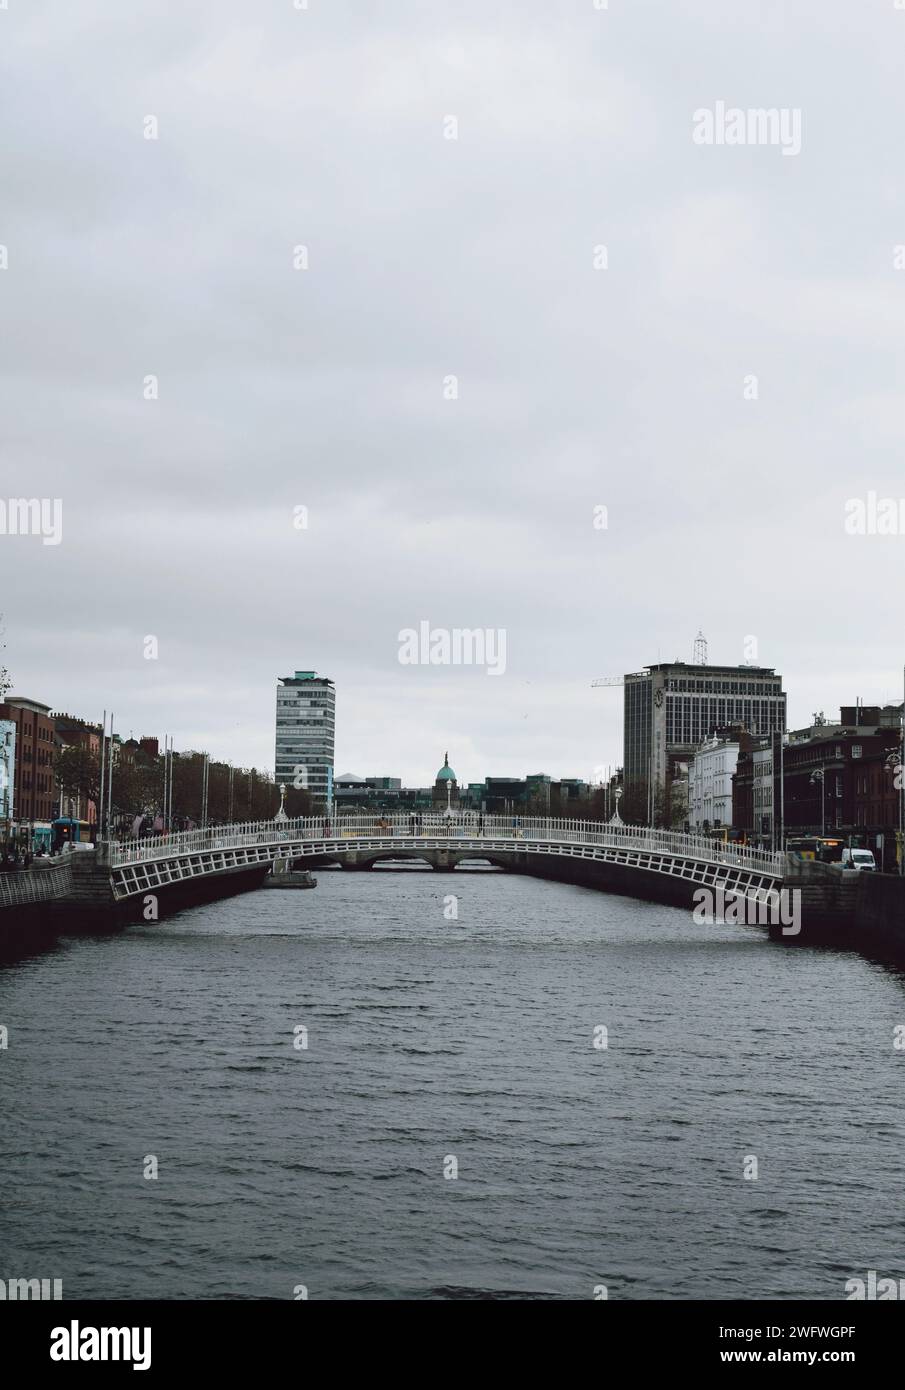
[(446, 773)]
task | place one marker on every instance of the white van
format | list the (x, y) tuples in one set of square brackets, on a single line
[(860, 859)]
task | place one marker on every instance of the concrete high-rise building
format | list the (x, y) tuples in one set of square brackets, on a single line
[(671, 708), (306, 726)]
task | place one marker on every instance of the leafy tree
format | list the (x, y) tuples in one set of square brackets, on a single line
[(633, 807), (78, 770)]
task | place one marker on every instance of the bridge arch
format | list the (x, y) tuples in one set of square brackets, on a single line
[(436, 859), (634, 860)]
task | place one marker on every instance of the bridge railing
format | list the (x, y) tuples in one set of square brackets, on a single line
[(435, 825), (39, 884)]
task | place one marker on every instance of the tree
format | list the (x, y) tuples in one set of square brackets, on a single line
[(78, 771), (633, 808), (136, 785), (298, 802), (678, 803)]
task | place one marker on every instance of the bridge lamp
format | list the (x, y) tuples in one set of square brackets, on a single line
[(281, 813)]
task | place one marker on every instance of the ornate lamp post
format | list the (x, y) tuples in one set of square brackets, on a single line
[(281, 813)]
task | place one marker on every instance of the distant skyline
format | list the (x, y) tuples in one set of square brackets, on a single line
[(304, 370), (359, 747)]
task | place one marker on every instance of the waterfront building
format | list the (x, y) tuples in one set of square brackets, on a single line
[(673, 707), (538, 794), (710, 782), (305, 734), (7, 775), (755, 807), (33, 785), (839, 779), (71, 731), (569, 794), (504, 794), (354, 793)]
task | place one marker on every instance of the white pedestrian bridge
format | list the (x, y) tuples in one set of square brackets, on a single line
[(561, 848)]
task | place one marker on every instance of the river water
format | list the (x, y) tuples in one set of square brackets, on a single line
[(437, 1045)]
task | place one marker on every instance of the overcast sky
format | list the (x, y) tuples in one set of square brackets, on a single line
[(431, 257)]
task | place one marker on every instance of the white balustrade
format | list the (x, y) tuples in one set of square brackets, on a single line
[(436, 826)]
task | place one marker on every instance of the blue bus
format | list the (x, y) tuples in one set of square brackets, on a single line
[(67, 831)]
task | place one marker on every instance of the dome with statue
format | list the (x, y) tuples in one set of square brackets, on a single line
[(446, 788)]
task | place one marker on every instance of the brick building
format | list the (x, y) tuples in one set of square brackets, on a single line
[(33, 786), (755, 790), (70, 731), (841, 779)]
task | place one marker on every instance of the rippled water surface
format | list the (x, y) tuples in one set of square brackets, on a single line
[(429, 1040)]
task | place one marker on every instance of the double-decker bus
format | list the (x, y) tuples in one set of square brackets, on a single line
[(823, 848)]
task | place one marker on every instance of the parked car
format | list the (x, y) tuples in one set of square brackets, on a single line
[(861, 860)]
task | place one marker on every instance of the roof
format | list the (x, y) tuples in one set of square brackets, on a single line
[(303, 677)]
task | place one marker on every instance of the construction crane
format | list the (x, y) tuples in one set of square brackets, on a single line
[(608, 680)]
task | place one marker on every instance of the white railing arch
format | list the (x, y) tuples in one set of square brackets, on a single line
[(435, 825)]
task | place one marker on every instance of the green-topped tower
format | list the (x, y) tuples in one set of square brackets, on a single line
[(446, 788)]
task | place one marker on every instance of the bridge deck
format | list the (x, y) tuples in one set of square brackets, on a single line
[(143, 865)]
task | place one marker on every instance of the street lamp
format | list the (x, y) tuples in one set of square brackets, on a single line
[(281, 813), (817, 777)]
